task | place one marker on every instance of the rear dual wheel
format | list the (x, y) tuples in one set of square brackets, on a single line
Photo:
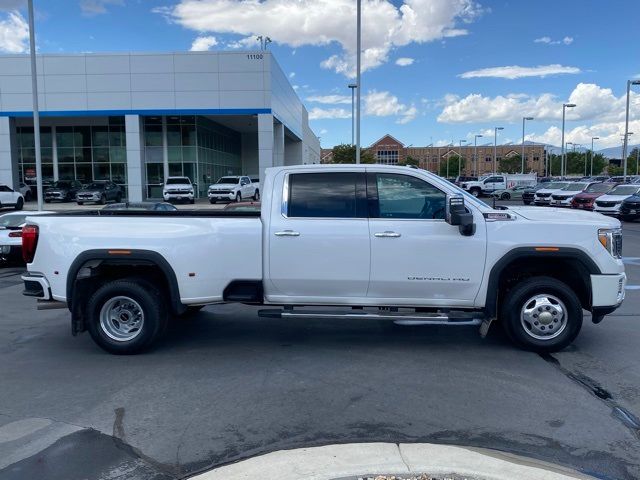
[(126, 316)]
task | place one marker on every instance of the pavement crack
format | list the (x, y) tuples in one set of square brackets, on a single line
[(621, 414), (404, 460)]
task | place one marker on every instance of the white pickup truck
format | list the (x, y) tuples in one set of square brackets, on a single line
[(347, 241), (501, 181)]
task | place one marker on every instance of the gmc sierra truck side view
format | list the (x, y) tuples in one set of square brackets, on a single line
[(352, 241)]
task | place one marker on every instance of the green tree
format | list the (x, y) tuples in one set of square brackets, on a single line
[(411, 161), (576, 163), (633, 162), (510, 164), (452, 160), (346, 153)]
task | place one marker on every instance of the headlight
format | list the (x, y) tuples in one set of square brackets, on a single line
[(611, 239)]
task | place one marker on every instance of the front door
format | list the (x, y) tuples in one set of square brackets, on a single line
[(318, 238), (416, 256)]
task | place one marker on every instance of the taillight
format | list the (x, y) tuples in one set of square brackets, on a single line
[(15, 234), (29, 242)]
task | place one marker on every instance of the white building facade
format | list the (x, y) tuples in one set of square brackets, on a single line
[(137, 118)]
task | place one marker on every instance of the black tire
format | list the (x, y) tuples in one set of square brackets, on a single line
[(522, 295), (149, 298), (80, 203), (27, 197), (256, 195), (505, 196), (526, 202), (238, 197), (475, 192), (212, 201), (628, 218), (192, 201), (103, 199), (19, 204), (47, 201), (119, 198)]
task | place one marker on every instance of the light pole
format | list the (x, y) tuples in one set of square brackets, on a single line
[(592, 139), (495, 147), (475, 153), (626, 126), (352, 86), (358, 73), (459, 154), (562, 159), (36, 112), (524, 119)]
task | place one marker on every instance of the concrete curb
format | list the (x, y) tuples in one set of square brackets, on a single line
[(359, 459)]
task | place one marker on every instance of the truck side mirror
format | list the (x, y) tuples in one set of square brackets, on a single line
[(458, 215)]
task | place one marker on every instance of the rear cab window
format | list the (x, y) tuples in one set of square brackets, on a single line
[(326, 195)]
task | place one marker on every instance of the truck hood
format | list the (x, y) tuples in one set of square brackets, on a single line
[(222, 186), (613, 198), (563, 215), (549, 190), (178, 185)]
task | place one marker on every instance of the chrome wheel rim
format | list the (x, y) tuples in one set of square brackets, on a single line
[(543, 317), (121, 318)]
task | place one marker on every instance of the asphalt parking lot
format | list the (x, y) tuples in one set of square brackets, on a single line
[(225, 385)]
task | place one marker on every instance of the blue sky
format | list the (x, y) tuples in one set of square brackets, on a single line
[(585, 51)]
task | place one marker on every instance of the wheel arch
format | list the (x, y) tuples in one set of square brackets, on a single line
[(118, 263), (569, 265)]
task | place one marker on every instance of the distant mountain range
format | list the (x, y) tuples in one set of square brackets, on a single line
[(611, 152)]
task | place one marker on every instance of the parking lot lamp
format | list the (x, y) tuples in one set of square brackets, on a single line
[(36, 112), (626, 126), (524, 119), (475, 154), (495, 147), (592, 139), (460, 154), (563, 166), (358, 73), (352, 86)]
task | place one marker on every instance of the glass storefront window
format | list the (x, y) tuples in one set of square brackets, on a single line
[(118, 154), (84, 172), (100, 136), (101, 171), (101, 155), (66, 171)]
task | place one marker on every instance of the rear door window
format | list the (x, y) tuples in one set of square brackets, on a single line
[(327, 195)]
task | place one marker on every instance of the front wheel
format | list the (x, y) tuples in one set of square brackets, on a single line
[(80, 203), (542, 314), (19, 204), (103, 199), (505, 196), (526, 202), (475, 192), (238, 197), (256, 195), (126, 316), (212, 201)]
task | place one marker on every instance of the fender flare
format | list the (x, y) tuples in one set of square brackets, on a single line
[(139, 257), (491, 302)]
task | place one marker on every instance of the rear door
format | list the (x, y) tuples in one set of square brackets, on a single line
[(416, 256), (318, 237)]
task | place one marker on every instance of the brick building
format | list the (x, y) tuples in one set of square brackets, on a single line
[(390, 151)]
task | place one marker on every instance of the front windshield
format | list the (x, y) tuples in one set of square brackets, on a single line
[(575, 187), (177, 181), (61, 184), (624, 190), (599, 188), (228, 180), (95, 186), (555, 185)]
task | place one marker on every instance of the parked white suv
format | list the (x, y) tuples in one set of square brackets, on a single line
[(610, 203), (233, 188), (178, 189), (9, 198)]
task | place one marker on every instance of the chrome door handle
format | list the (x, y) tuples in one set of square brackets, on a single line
[(387, 234), (287, 233)]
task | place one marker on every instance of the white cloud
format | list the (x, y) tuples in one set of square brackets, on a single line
[(292, 74), (202, 44), (404, 61), (330, 99), (549, 41), (90, 8), (512, 72), (375, 104), (14, 33), (592, 103), (317, 113), (306, 22), (609, 133)]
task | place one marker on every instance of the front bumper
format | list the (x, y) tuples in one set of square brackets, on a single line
[(221, 196), (614, 211), (177, 196), (542, 201), (582, 206), (88, 198), (608, 291), (560, 202)]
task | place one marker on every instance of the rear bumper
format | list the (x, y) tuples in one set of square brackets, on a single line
[(36, 286)]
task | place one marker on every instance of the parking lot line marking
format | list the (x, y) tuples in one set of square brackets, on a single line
[(632, 287)]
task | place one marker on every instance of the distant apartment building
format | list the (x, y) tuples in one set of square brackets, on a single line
[(390, 151)]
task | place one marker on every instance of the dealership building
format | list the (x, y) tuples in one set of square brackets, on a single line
[(138, 118)]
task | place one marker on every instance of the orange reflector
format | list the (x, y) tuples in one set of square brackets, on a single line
[(547, 249), (119, 252)]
